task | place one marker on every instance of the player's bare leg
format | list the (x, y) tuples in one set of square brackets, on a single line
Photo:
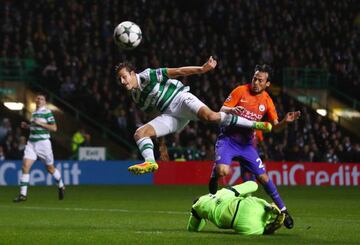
[(220, 170), (143, 140), (207, 115)]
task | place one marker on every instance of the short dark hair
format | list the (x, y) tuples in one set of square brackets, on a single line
[(127, 65), (41, 93), (265, 68)]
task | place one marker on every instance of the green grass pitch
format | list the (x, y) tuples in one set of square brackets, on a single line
[(159, 214)]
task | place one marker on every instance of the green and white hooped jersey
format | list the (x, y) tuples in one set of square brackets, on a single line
[(38, 133), (156, 90)]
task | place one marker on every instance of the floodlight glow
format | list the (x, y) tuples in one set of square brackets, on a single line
[(14, 106), (322, 112)]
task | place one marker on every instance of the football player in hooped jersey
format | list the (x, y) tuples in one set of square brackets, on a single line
[(157, 90), (39, 146), (252, 102)]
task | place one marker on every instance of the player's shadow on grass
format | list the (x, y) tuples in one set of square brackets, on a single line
[(224, 232), (220, 232), (215, 232)]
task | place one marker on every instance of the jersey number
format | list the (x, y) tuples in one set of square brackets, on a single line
[(261, 165)]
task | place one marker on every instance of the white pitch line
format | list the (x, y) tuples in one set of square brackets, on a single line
[(149, 232), (98, 210)]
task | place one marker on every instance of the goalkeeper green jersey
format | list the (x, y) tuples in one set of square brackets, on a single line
[(246, 215)]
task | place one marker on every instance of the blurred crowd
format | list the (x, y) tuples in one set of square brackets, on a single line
[(12, 140), (72, 43)]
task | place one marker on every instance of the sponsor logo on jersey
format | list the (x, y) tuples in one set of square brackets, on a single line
[(159, 75), (250, 115)]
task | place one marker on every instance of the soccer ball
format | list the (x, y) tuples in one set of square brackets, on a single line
[(127, 35)]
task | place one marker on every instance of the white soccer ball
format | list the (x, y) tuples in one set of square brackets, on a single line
[(127, 35)]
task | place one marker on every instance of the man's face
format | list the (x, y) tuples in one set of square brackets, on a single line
[(127, 79), (40, 101), (259, 82)]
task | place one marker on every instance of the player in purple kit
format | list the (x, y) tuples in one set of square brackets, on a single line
[(252, 102)]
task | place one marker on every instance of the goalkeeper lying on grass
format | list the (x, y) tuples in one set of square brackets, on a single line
[(233, 208)]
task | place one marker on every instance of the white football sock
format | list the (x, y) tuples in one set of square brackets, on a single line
[(229, 119), (24, 182), (146, 148), (57, 177)]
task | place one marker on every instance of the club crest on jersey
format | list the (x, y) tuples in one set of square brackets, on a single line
[(261, 107), (228, 98), (159, 75)]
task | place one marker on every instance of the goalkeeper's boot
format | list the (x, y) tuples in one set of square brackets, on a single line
[(288, 222), (143, 168), (61, 192), (263, 126), (20, 198)]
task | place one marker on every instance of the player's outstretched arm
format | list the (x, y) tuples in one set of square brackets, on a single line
[(246, 188), (192, 70), (289, 118), (232, 110), (195, 224)]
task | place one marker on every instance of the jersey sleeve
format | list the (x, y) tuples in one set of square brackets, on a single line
[(50, 118), (246, 188), (233, 98), (158, 75), (145, 75), (271, 113)]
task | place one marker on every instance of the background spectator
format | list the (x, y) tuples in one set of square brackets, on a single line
[(80, 138)]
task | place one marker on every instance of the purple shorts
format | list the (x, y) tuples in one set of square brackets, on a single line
[(226, 149)]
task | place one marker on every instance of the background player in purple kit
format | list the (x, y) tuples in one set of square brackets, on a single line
[(252, 102)]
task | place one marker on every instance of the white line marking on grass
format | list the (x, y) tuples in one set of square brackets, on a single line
[(98, 210), (149, 232)]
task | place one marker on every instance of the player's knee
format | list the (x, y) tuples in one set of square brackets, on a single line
[(223, 171), (139, 133), (144, 131)]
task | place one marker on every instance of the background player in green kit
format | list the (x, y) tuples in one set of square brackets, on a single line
[(39, 146), (233, 208)]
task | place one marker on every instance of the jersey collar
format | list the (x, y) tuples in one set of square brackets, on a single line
[(41, 108), (138, 81)]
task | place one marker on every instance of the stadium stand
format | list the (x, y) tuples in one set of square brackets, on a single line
[(75, 57)]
